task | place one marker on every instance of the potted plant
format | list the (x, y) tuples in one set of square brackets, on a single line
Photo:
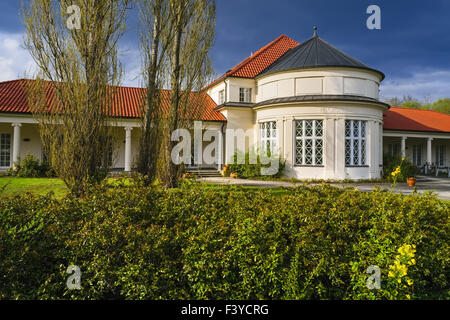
[(226, 171), (411, 181), (410, 176), (233, 175)]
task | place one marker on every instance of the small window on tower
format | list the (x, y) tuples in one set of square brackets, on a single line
[(245, 94), (221, 97)]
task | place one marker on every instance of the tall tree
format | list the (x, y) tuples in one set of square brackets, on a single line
[(193, 26), (75, 46), (153, 14), (176, 38)]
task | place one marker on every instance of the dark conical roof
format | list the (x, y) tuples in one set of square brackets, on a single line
[(314, 53)]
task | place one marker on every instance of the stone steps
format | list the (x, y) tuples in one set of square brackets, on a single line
[(204, 173)]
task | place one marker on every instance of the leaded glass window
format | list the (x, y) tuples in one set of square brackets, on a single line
[(268, 134), (308, 142), (355, 143)]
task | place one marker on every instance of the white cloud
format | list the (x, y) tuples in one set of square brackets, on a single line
[(432, 84), (15, 60), (131, 61)]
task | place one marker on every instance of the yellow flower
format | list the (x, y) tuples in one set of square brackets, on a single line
[(391, 274), (403, 158), (408, 297), (410, 282)]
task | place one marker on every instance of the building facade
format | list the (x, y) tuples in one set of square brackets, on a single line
[(310, 103)]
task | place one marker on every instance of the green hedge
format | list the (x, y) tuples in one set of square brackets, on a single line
[(133, 242), (248, 170)]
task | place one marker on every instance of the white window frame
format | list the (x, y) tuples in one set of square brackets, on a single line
[(245, 94), (360, 139), (317, 143), (268, 137)]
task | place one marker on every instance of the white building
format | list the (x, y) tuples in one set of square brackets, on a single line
[(311, 103)]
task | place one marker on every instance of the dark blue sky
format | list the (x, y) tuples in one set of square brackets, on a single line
[(412, 48)]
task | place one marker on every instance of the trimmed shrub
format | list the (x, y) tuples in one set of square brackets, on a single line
[(30, 167), (252, 170), (135, 242)]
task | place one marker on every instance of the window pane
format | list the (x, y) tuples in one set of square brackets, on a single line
[(299, 128), (5, 149), (355, 152), (347, 128), (308, 128), (308, 151), (348, 151), (355, 129), (363, 152), (299, 152), (319, 128), (319, 151)]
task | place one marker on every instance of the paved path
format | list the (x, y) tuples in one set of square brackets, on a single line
[(424, 183)]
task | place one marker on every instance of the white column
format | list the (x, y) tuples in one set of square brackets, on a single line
[(381, 149), (16, 143), (339, 143), (429, 150), (289, 143), (280, 136), (220, 150), (403, 147), (128, 148), (329, 156)]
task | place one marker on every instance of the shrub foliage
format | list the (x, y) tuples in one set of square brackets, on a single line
[(248, 169), (30, 167), (407, 168), (135, 242)]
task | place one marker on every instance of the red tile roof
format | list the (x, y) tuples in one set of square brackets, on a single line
[(416, 120), (261, 59), (127, 102)]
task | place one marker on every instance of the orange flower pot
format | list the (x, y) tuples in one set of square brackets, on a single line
[(411, 182)]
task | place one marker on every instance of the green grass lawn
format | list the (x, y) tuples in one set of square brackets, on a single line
[(11, 186)]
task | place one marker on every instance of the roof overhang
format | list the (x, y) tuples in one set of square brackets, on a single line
[(321, 99)]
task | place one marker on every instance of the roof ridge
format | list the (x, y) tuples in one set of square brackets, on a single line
[(417, 109), (15, 80), (348, 57)]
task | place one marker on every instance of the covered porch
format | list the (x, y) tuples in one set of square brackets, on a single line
[(19, 136), (430, 152)]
